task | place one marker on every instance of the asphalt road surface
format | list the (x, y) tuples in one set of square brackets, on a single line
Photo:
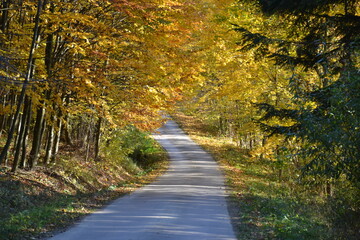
[(186, 203)]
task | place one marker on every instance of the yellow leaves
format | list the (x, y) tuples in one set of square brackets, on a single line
[(310, 105), (124, 59), (89, 83), (8, 109)]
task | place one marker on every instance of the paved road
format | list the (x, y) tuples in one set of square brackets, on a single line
[(186, 203)]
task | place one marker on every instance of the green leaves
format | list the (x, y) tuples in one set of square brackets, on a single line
[(314, 48)]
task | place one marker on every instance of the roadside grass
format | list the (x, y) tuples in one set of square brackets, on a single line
[(262, 205), (26, 223), (37, 204)]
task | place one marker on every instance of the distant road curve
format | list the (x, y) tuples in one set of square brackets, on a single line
[(186, 203)]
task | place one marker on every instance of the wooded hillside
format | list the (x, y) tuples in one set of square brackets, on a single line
[(72, 70)]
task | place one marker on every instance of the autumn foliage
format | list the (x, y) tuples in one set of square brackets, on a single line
[(72, 69)]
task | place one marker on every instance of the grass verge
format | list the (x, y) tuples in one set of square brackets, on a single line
[(262, 206)]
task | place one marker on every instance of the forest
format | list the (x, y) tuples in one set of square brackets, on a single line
[(84, 83)]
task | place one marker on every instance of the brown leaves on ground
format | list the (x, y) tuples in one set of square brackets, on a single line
[(84, 190)]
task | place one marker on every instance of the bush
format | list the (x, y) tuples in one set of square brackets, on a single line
[(132, 148)]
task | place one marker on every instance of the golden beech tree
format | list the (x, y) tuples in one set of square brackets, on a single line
[(91, 64), (236, 81)]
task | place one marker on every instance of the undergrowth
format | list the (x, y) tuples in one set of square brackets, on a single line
[(35, 203), (265, 206)]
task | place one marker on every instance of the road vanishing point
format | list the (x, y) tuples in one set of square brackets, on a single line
[(186, 203)]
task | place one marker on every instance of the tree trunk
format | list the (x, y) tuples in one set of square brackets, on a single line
[(50, 143), (65, 128), (9, 122), (87, 140), (67, 131), (2, 124), (97, 138), (329, 189), (26, 135), (26, 81), (4, 15), (36, 143), (56, 140), (21, 136), (3, 116)]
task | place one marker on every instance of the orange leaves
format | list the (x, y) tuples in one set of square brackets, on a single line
[(123, 59)]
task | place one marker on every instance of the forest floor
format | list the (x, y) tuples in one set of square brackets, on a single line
[(262, 204), (36, 204)]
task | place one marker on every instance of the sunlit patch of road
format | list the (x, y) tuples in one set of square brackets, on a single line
[(187, 202)]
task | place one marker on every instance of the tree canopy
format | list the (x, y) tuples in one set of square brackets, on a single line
[(112, 62)]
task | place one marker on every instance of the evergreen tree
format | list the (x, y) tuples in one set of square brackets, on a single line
[(320, 48)]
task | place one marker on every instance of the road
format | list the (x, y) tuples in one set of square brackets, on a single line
[(186, 203)]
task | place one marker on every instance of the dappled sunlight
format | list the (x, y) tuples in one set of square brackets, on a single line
[(173, 216), (187, 202)]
